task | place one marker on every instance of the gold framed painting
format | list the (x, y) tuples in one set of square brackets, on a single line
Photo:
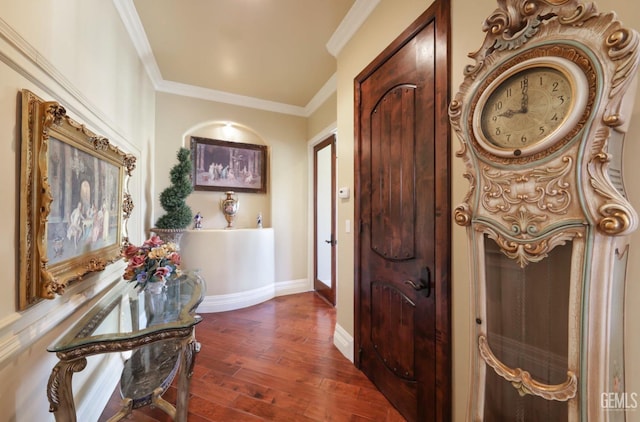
[(74, 201)]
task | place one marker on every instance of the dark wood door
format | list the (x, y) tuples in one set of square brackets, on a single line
[(403, 244)]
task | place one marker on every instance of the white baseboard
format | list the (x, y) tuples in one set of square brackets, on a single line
[(343, 342), (232, 301), (96, 395), (293, 287)]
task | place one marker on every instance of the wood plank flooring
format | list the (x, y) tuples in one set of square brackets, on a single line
[(273, 362)]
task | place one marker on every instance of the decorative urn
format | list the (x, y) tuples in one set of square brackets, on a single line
[(229, 206)]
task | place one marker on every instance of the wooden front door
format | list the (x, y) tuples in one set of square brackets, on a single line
[(402, 206)]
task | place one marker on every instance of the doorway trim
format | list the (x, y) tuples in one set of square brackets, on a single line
[(320, 286), (330, 130)]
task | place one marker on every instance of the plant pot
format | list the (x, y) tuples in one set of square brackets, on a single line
[(169, 235)]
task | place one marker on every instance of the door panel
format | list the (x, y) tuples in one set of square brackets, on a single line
[(393, 328), (400, 171), (392, 174), (324, 219)]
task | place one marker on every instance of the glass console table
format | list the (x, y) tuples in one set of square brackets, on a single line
[(158, 327)]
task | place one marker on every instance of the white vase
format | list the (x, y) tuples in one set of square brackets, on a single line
[(155, 287), (155, 298)]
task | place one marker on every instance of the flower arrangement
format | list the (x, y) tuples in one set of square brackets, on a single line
[(152, 262)]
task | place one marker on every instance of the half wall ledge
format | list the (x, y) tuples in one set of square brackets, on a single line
[(238, 265)]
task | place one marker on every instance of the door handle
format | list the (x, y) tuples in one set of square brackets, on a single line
[(415, 286), (422, 284), (331, 242)]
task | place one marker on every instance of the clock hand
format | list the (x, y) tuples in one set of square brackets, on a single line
[(510, 113), (524, 103)]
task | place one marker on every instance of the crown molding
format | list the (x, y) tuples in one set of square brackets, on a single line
[(133, 25), (356, 16), (350, 24), (228, 98), (322, 95)]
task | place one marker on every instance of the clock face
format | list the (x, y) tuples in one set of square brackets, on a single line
[(526, 107)]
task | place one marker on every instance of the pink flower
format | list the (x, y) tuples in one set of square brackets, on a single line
[(151, 262), (137, 261), (130, 251), (153, 241), (162, 272), (174, 257)]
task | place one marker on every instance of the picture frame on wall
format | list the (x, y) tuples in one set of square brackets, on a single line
[(74, 201), (228, 166)]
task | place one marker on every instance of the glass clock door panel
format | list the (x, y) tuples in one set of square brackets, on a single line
[(527, 322), (504, 403)]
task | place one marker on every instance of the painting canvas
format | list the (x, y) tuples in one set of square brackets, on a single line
[(228, 166), (85, 202), (74, 202)]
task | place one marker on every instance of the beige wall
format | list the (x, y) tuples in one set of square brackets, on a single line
[(102, 83), (323, 118), (285, 136), (79, 54), (385, 24)]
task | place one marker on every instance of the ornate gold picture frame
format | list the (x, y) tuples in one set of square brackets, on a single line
[(74, 202)]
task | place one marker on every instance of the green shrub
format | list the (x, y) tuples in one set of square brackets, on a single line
[(178, 213)]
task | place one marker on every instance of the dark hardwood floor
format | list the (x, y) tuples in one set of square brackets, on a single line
[(273, 362)]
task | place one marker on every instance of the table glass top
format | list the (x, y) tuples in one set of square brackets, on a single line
[(127, 312)]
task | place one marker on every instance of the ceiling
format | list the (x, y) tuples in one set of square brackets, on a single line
[(277, 55)]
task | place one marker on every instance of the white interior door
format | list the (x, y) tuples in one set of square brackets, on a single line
[(324, 218)]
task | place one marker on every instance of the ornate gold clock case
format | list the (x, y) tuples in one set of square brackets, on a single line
[(541, 116)]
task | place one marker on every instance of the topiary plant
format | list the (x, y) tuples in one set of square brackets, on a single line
[(178, 213)]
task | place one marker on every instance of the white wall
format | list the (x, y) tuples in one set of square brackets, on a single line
[(78, 53)]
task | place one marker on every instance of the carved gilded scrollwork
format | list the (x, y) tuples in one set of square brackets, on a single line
[(617, 216), (462, 213), (127, 205), (99, 143), (70, 225), (522, 380), (129, 162), (622, 48), (129, 344), (546, 189), (524, 222), (59, 387), (529, 250), (531, 193), (513, 24)]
